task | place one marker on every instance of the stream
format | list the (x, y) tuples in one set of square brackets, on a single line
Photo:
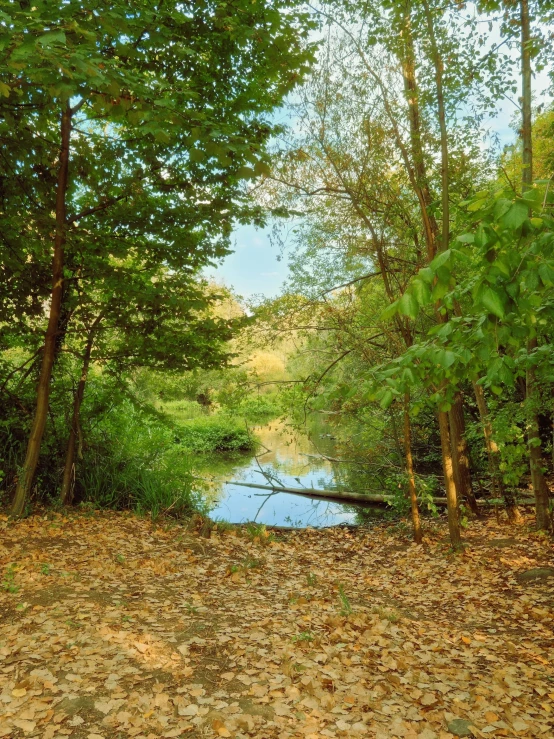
[(287, 459)]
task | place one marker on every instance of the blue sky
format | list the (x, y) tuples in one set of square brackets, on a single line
[(254, 268)]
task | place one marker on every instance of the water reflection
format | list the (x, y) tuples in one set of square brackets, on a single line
[(286, 459)]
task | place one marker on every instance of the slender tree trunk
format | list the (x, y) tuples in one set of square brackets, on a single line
[(66, 493), (540, 488), (449, 483), (412, 97), (460, 454), (526, 122), (493, 453), (430, 225), (416, 521), (445, 170), (27, 474)]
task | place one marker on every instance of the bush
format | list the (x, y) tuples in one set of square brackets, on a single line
[(259, 409), (132, 462), (215, 434)]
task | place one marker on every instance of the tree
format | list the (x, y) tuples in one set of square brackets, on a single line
[(162, 103)]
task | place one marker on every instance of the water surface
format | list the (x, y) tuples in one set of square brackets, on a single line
[(286, 459)]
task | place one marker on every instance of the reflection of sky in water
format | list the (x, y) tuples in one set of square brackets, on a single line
[(288, 463)]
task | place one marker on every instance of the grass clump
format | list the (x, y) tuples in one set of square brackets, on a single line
[(258, 534)]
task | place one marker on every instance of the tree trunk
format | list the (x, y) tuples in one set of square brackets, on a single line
[(66, 493), (412, 96), (514, 515), (430, 225), (540, 489), (445, 172), (449, 484), (460, 454), (27, 475), (526, 122), (416, 521)]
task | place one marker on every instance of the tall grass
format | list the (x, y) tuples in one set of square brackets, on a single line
[(134, 461)]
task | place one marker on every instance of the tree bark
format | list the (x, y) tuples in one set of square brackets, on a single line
[(540, 488), (430, 225), (493, 452), (416, 521), (27, 475), (526, 122), (445, 171), (68, 481), (412, 96), (460, 454), (449, 483)]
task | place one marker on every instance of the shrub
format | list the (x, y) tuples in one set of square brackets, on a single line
[(215, 434), (132, 462)]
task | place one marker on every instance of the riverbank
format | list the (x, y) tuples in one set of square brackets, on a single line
[(112, 626)]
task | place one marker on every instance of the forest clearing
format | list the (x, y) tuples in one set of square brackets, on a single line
[(276, 369), (112, 626)]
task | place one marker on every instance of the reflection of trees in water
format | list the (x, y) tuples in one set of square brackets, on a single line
[(286, 457)]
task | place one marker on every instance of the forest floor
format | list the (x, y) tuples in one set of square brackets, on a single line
[(113, 627)]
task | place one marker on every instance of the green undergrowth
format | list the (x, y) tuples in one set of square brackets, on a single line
[(217, 433), (133, 461)]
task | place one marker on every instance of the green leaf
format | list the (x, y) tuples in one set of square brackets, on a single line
[(387, 399), (441, 259), (390, 311), (439, 291), (421, 292), (52, 37), (426, 274), (546, 273), (466, 238), (492, 301), (518, 213), (407, 305), (445, 358), (476, 205), (196, 155), (246, 173), (262, 168)]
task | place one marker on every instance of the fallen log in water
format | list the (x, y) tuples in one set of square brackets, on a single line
[(343, 496)]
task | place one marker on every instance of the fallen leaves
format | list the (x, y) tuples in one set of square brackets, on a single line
[(431, 646)]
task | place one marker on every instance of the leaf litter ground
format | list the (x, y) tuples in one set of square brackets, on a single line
[(111, 626)]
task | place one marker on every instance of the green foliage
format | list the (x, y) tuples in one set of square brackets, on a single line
[(215, 434), (159, 149), (131, 459), (256, 409)]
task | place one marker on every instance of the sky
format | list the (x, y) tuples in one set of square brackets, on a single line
[(253, 268), (258, 268)]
